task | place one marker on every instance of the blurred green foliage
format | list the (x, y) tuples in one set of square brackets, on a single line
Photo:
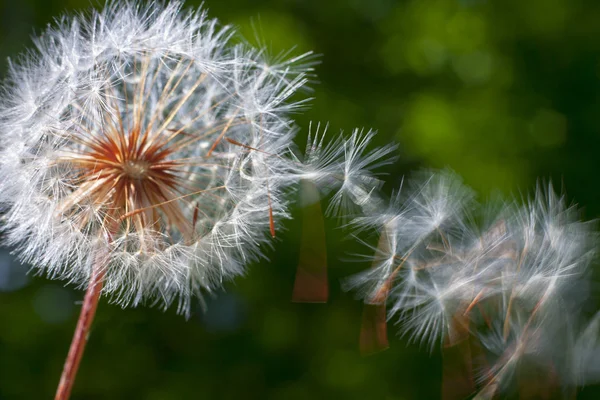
[(500, 91)]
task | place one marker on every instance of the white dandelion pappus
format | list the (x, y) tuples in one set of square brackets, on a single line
[(144, 137), (341, 164), (539, 293), (512, 277), (412, 222), (346, 166)]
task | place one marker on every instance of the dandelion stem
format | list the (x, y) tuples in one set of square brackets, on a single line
[(80, 337)]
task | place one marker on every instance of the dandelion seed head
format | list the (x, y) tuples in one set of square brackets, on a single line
[(144, 133)]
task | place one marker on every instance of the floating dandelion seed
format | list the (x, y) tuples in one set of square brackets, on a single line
[(504, 278), (144, 156), (343, 165)]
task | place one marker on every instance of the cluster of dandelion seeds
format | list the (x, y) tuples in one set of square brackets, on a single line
[(144, 136), (510, 275)]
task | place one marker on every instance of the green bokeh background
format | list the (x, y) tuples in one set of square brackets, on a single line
[(501, 91)]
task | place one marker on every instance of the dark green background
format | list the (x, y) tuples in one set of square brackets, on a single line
[(501, 91)]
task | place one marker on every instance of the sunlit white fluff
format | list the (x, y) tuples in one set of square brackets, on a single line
[(346, 167), (423, 215), (513, 275), (144, 137)]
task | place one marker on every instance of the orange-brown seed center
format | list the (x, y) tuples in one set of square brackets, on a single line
[(136, 169)]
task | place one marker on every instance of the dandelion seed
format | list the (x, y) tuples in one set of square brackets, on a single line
[(342, 165), (345, 166)]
